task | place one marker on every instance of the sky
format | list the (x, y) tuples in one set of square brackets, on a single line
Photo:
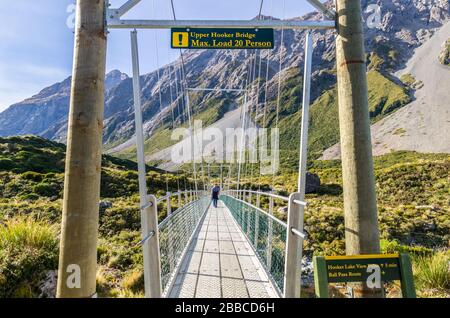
[(36, 46)]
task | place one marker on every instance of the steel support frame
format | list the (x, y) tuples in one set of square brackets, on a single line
[(149, 214), (169, 213), (328, 13), (294, 242), (152, 275), (114, 21)]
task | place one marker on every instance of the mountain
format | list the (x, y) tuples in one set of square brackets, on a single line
[(45, 114), (405, 26), (424, 124)]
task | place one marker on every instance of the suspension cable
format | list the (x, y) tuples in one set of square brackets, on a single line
[(158, 76), (188, 108), (280, 65), (255, 92)]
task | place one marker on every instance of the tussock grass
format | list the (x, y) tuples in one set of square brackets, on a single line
[(432, 272), (28, 248), (26, 232)]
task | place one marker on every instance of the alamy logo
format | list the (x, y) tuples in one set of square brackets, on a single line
[(70, 22), (234, 145), (374, 279), (374, 19), (74, 277)]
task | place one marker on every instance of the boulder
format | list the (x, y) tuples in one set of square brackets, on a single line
[(105, 205), (312, 182), (283, 210)]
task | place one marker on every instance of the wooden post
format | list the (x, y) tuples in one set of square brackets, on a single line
[(320, 277), (79, 228), (360, 207), (407, 277)]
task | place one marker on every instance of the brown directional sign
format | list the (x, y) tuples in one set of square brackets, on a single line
[(371, 269), (222, 38)]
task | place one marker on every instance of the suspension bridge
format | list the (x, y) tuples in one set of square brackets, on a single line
[(235, 250), (239, 248)]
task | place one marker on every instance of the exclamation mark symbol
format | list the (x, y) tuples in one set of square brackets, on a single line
[(180, 39)]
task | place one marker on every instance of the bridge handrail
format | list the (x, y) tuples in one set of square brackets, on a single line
[(266, 235), (175, 233), (171, 194), (274, 218), (269, 194), (173, 214)]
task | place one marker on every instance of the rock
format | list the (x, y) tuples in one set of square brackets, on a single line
[(48, 285), (426, 207), (307, 278), (312, 182), (283, 210), (105, 205)]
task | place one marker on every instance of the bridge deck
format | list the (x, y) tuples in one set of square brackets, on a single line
[(220, 262)]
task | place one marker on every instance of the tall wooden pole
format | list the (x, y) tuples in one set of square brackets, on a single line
[(79, 229), (360, 207)]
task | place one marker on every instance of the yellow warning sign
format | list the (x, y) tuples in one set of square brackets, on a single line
[(180, 39), (222, 38)]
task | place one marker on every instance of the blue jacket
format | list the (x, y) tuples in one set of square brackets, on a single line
[(215, 192)]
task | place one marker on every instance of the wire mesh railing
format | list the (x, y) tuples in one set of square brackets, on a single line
[(265, 233), (175, 233)]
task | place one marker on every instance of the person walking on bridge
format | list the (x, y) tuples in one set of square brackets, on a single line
[(215, 194)]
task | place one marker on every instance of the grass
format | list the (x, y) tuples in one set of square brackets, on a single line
[(412, 192), (432, 272), (385, 96), (444, 56), (375, 61), (410, 81), (28, 248), (400, 132), (26, 232)]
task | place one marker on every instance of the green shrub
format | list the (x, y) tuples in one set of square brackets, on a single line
[(394, 246), (444, 56), (6, 164), (28, 248), (33, 176), (29, 197), (134, 281), (45, 189), (432, 272)]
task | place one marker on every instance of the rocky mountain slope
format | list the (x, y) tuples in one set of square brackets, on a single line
[(45, 114), (424, 124), (405, 25)]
